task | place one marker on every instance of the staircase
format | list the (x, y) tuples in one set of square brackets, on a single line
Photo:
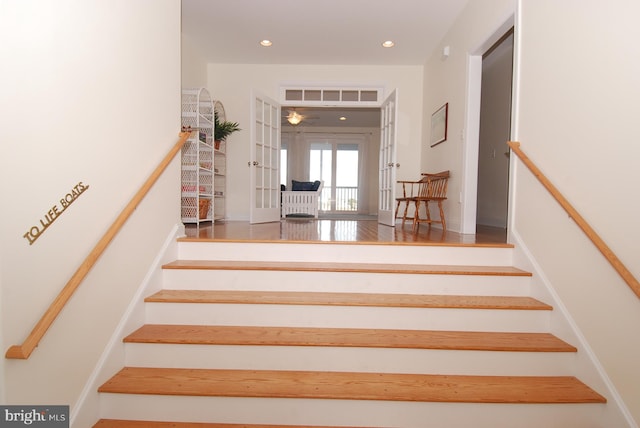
[(290, 334)]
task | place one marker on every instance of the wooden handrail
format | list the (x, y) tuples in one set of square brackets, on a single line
[(24, 351), (582, 223)]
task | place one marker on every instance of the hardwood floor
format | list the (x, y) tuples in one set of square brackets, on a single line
[(340, 231)]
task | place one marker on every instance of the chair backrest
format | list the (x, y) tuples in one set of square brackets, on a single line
[(434, 186), (307, 186)]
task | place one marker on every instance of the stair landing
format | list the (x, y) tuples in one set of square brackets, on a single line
[(368, 232)]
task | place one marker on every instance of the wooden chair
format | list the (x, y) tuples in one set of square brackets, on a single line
[(432, 188), (408, 193)]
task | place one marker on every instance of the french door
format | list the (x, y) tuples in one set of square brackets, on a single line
[(387, 161), (337, 161), (265, 159)]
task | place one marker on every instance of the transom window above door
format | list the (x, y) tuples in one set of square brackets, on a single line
[(331, 96)]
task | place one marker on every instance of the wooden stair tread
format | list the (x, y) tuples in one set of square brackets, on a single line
[(348, 299), (348, 337), (347, 267), (119, 423), (351, 386)]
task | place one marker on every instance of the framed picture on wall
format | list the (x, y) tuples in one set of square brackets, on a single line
[(439, 125)]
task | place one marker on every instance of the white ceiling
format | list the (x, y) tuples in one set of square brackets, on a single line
[(329, 32), (330, 117)]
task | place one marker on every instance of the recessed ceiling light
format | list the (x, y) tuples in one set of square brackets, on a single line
[(265, 43), (388, 44), (343, 118)]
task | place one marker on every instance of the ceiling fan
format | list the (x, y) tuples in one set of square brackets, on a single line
[(294, 118)]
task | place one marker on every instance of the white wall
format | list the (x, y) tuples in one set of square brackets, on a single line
[(194, 67), (91, 94), (579, 92), (232, 84), (3, 395)]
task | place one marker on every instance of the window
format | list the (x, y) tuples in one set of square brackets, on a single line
[(337, 163), (331, 96), (347, 172), (283, 164)]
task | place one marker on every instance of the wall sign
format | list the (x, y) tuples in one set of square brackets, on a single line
[(55, 212)]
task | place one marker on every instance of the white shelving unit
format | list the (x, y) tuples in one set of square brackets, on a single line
[(197, 157)]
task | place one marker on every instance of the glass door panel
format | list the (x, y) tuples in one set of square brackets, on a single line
[(347, 173), (387, 159), (264, 163), (338, 165), (321, 168)]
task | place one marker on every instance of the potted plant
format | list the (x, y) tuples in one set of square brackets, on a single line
[(222, 130)]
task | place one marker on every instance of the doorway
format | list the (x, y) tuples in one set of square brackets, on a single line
[(495, 131), (469, 196), (344, 154), (348, 98)]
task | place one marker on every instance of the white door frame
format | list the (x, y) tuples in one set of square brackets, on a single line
[(319, 86), (469, 190)]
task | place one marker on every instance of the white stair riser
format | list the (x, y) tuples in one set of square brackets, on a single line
[(351, 359), (347, 317), (348, 282), (349, 412), (403, 254)]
